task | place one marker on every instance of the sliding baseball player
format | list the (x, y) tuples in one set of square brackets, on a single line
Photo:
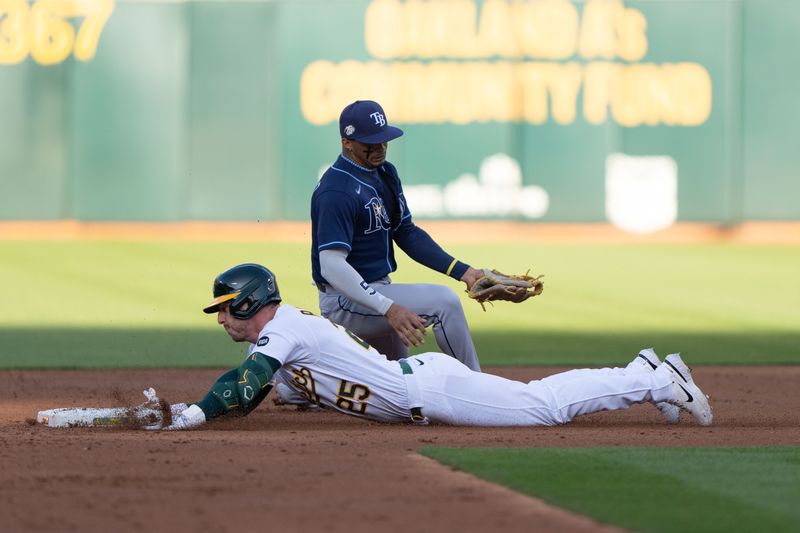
[(335, 369)]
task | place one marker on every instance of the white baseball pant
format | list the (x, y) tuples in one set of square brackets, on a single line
[(453, 394)]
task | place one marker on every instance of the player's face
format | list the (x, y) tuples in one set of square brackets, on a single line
[(367, 155), (237, 329)]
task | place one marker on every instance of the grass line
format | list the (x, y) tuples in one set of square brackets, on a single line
[(652, 489)]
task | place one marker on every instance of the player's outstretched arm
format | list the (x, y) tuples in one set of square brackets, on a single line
[(238, 391), (344, 278), (421, 247)]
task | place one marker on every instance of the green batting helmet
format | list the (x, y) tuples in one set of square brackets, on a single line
[(249, 287)]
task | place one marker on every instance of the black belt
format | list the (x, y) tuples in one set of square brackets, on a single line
[(416, 412), (321, 287)]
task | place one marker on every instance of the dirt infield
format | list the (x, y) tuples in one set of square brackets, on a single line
[(282, 470)]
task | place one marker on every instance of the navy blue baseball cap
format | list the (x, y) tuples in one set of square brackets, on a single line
[(364, 121)]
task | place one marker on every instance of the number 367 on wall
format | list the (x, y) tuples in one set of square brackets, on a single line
[(44, 30)]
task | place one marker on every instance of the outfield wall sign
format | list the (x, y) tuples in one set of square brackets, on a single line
[(641, 192), (45, 31), (496, 190), (463, 61)]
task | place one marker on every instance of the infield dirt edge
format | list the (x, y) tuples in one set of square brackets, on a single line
[(451, 231)]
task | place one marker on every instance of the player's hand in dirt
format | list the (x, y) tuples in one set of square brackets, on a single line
[(189, 418), (410, 327), (151, 399)]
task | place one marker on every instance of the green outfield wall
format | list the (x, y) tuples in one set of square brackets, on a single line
[(641, 113)]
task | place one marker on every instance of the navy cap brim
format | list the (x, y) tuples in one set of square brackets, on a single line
[(385, 136)]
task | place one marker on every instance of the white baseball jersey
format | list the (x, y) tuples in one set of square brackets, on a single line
[(332, 367)]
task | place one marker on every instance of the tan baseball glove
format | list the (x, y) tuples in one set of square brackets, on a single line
[(495, 286)]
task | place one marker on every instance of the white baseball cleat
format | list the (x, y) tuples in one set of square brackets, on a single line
[(647, 361), (685, 394)]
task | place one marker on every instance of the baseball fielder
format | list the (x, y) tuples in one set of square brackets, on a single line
[(335, 369), (358, 212)]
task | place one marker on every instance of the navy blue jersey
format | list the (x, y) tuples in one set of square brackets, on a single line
[(363, 211)]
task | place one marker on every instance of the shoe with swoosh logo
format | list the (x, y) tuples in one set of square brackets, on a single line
[(647, 361), (685, 393)]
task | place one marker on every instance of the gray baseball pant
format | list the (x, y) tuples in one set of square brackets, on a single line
[(437, 304)]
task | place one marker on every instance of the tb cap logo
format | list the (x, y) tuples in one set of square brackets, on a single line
[(379, 119)]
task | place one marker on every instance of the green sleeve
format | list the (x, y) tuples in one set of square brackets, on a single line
[(241, 389)]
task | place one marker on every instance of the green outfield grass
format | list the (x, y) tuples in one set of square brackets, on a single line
[(665, 490), (131, 304)]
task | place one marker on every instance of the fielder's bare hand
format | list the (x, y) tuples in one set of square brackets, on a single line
[(410, 327)]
